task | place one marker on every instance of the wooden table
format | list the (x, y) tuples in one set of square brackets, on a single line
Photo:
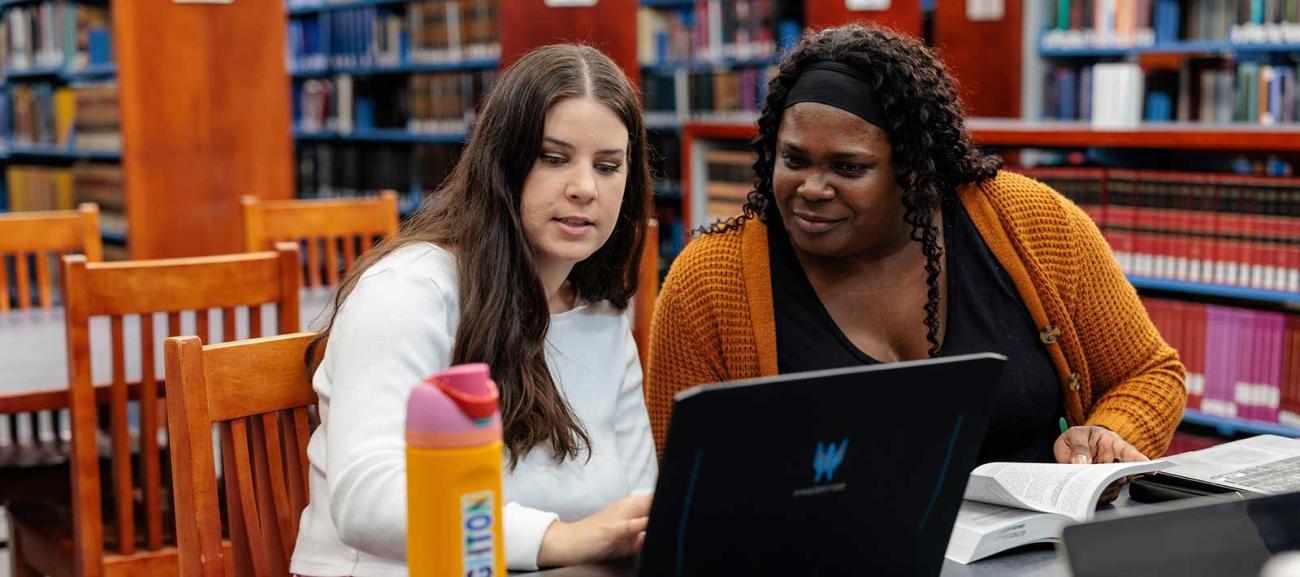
[(33, 346)]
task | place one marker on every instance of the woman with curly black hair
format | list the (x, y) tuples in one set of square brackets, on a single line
[(877, 232)]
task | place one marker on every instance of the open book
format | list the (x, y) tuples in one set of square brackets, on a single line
[(1012, 504)]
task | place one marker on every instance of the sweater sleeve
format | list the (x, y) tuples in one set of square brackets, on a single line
[(680, 355), (1137, 380)]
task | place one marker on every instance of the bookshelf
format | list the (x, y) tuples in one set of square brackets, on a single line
[(1230, 427), (60, 126)]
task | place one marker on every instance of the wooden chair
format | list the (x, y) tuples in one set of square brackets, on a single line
[(39, 236), (647, 291), (33, 435), (258, 394), (119, 526), (346, 226)]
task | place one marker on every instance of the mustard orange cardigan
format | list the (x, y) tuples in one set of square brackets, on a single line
[(714, 322)]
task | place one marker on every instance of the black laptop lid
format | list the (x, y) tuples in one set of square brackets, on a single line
[(1211, 537), (845, 472)]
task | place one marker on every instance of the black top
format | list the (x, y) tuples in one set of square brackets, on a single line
[(985, 313)]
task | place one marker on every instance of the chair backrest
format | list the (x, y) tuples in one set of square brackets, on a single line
[(325, 229), (40, 236), (142, 299), (258, 395), (647, 291)]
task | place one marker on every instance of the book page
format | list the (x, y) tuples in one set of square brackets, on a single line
[(1265, 464), (1071, 490)]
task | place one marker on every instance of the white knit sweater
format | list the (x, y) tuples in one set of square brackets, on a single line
[(394, 330)]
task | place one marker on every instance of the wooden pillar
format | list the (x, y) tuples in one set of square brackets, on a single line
[(205, 117), (902, 15), (983, 56), (610, 26)]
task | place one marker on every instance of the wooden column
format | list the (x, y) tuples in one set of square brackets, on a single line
[(983, 56), (610, 25), (205, 118), (902, 15)]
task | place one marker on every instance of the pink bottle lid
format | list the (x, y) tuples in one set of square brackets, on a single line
[(458, 407)]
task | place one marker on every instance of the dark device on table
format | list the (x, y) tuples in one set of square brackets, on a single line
[(856, 471)]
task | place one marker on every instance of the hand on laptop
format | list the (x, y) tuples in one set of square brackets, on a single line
[(615, 531)]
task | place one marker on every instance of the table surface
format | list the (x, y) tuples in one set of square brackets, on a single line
[(1032, 561), (33, 345)]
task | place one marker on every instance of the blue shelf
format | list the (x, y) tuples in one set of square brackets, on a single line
[(706, 65), (472, 64), (56, 153), (328, 6), (91, 72), (1183, 47), (383, 135), (1220, 291), (1229, 426), (8, 3), (35, 72), (113, 236)]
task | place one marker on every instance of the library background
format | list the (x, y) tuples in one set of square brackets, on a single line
[(1174, 123)]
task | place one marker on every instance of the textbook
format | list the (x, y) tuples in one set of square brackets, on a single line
[(1013, 504)]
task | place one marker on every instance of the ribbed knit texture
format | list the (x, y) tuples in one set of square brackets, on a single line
[(714, 322)]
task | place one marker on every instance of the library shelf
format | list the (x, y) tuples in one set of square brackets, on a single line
[(669, 67), (381, 135), (1179, 47), (1284, 299), (1229, 426), (405, 68), (1173, 135), (318, 7), (51, 152)]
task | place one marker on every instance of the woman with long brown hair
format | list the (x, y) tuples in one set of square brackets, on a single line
[(524, 259)]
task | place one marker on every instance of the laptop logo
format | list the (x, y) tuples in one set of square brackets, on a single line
[(828, 458)]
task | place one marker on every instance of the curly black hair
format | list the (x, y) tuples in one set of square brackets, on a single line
[(925, 124)]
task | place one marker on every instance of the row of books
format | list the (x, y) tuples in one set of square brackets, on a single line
[(1221, 229), (82, 117), (330, 170), (1128, 23), (1241, 363), (715, 30), (55, 34), (63, 188), (428, 32), (425, 103), (683, 95), (1208, 92)]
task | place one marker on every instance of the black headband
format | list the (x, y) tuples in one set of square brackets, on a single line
[(839, 85)]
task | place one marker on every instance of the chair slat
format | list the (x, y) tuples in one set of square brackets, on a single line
[(240, 535), (255, 321), (313, 263), (121, 443), (174, 324), (349, 251), (247, 495), (273, 441), (295, 451), (150, 459), (273, 546), (228, 328), (202, 325), (4, 283), (331, 261), (43, 280), (24, 281)]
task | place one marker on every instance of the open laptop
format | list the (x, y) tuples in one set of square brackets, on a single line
[(856, 471), (1202, 537)]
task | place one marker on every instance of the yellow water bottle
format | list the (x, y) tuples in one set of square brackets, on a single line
[(453, 476)]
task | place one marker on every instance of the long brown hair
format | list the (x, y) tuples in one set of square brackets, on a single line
[(476, 214)]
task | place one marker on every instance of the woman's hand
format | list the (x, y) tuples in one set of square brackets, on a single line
[(615, 531), (1088, 445)]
